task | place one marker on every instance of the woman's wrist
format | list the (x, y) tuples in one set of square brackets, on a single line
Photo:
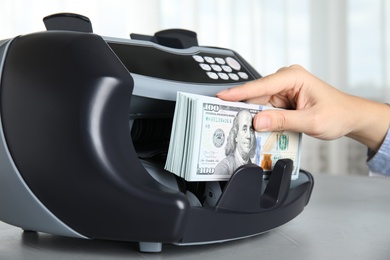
[(372, 122)]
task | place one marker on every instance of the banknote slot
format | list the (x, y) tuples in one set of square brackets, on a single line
[(150, 137)]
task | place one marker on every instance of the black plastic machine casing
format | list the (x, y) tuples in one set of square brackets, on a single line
[(85, 121)]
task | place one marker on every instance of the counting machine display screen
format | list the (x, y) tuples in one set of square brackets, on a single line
[(196, 68)]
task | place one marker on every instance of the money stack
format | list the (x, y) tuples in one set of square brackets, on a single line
[(211, 138)]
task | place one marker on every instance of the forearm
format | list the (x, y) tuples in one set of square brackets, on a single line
[(372, 122)]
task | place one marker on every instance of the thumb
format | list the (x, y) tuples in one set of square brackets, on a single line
[(278, 120)]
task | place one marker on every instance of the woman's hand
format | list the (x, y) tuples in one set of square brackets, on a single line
[(313, 107)]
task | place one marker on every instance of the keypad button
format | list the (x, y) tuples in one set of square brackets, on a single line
[(243, 75), (227, 68), (205, 66), (220, 61), (212, 75), (233, 63), (209, 59), (223, 76), (198, 58), (233, 76), (216, 67)]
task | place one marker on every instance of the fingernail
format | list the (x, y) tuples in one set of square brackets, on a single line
[(222, 92), (262, 123)]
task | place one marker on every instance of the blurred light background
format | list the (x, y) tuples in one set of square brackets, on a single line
[(344, 42)]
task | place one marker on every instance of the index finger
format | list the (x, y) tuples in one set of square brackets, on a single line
[(284, 79)]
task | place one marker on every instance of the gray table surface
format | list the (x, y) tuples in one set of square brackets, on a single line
[(348, 217)]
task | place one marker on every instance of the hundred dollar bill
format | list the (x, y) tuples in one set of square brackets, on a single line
[(211, 138)]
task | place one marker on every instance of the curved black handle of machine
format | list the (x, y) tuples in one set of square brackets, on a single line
[(65, 100)]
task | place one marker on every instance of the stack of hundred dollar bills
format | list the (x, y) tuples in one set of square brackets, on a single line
[(211, 138)]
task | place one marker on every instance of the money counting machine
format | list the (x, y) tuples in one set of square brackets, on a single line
[(85, 126)]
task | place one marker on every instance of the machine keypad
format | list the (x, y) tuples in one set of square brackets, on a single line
[(209, 59), (219, 68), (212, 75), (220, 61), (205, 67), (198, 58), (227, 68), (216, 67), (223, 76), (233, 76), (233, 63), (243, 75)]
